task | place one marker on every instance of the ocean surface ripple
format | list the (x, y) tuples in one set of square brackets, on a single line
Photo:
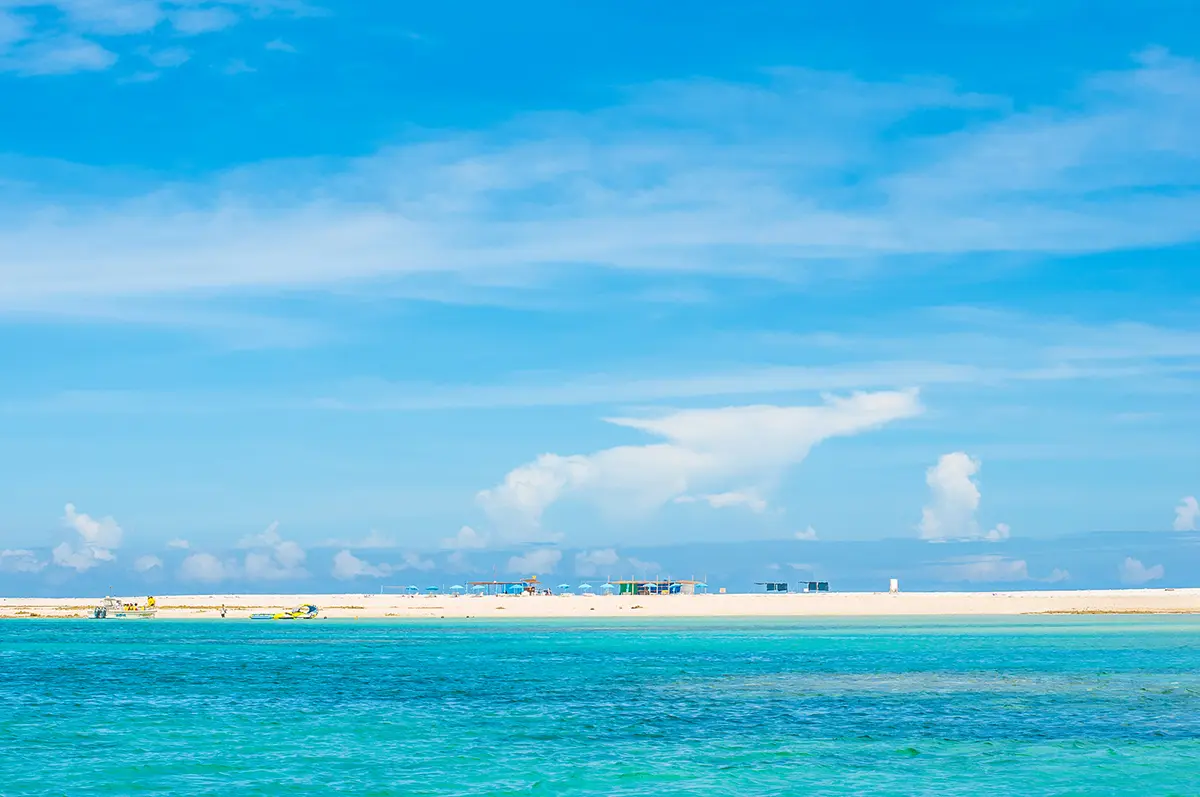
[(1029, 706)]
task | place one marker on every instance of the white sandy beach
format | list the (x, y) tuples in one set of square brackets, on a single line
[(836, 604)]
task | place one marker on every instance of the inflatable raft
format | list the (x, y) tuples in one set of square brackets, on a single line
[(303, 612)]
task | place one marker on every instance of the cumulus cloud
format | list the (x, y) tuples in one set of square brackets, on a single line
[(953, 501), (20, 561), (97, 540), (204, 567), (643, 567), (985, 568), (467, 538), (347, 566), (702, 448), (1186, 514), (273, 558), (1057, 575), (590, 563), (997, 534), (1132, 571), (414, 561), (808, 535), (535, 563), (144, 564), (373, 540), (733, 498)]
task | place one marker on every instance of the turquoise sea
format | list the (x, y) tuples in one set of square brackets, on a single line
[(1048, 706)]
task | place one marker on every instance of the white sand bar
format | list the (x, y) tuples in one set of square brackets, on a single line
[(835, 604)]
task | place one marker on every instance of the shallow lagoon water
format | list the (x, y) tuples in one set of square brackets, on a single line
[(1029, 706)]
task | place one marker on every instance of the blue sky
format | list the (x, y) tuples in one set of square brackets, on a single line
[(594, 279)]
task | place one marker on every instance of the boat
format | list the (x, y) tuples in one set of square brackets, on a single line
[(116, 609), (305, 611)]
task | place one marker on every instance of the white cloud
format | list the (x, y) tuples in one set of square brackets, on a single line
[(953, 501), (167, 58), (97, 540), (1132, 571), (57, 55), (34, 43), (280, 46), (106, 17), (986, 568), (734, 498), (375, 539), (809, 534), (998, 534), (535, 563), (20, 561), (273, 558), (1057, 576), (414, 561), (590, 563), (1186, 514), (685, 175), (179, 544), (204, 567), (144, 564), (238, 66), (194, 21), (643, 567), (347, 566), (704, 448), (467, 538)]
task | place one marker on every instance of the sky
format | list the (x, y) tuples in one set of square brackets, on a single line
[(332, 295)]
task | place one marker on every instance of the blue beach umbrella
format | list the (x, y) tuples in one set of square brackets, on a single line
[(584, 587), (608, 588), (478, 588), (457, 588), (412, 588), (515, 589), (564, 586), (432, 589)]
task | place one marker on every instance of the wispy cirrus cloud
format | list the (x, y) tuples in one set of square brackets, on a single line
[(60, 37), (697, 176)]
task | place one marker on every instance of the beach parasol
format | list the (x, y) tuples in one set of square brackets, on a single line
[(432, 589), (584, 587), (608, 587), (478, 588), (564, 586), (515, 589), (457, 588), (412, 588)]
